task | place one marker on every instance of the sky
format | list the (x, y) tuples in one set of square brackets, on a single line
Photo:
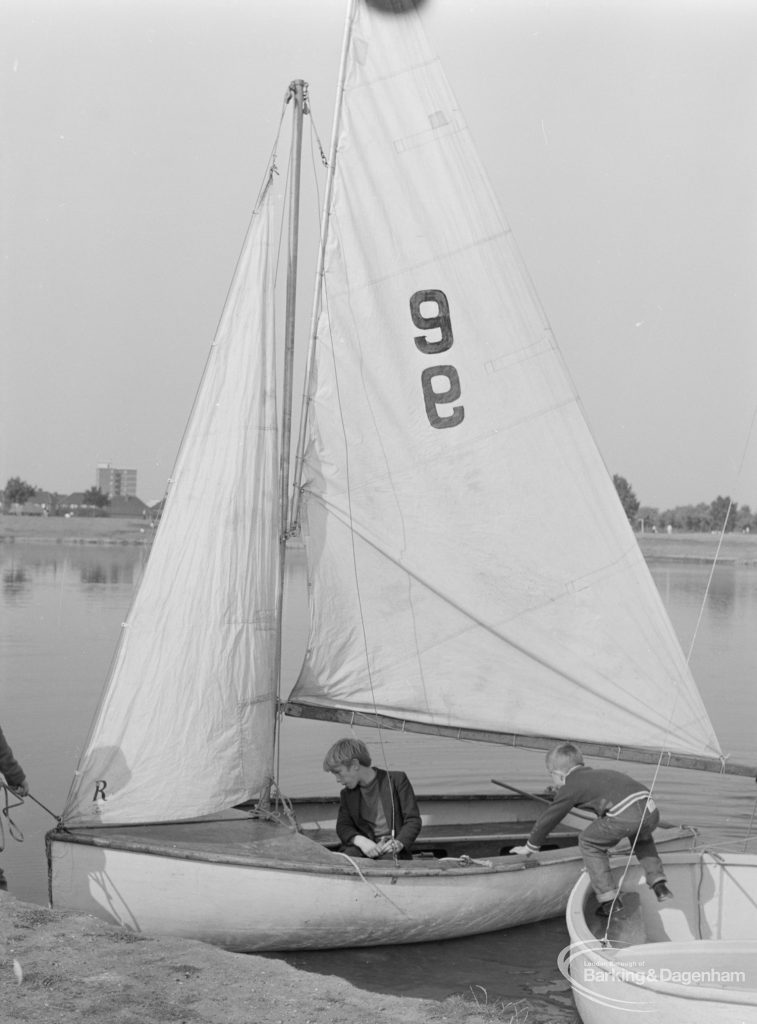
[(620, 137)]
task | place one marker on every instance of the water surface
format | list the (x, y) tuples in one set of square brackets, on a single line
[(62, 608)]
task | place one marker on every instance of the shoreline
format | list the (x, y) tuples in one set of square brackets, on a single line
[(59, 967), (701, 548), (59, 530), (737, 549)]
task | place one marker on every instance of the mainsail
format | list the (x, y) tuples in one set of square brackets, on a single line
[(470, 564), (186, 725)]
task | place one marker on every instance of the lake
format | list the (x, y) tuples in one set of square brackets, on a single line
[(62, 607)]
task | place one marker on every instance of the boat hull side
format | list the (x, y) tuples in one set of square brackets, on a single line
[(249, 908), (248, 885)]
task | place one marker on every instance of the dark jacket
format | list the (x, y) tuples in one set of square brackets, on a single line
[(407, 818), (596, 789), (9, 766)]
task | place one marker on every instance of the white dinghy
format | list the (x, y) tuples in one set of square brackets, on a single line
[(692, 960), (438, 416)]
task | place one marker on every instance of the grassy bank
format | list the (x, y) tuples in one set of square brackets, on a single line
[(58, 530), (64, 968), (736, 549)]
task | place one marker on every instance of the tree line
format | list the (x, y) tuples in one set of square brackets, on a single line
[(702, 518), (18, 492)]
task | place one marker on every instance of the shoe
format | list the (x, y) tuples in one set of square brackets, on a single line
[(662, 892), (610, 907)]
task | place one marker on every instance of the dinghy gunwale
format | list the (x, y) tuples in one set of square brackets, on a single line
[(745, 947), (330, 863), (584, 943)]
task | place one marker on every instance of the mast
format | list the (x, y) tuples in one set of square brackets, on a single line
[(319, 274), (298, 94)]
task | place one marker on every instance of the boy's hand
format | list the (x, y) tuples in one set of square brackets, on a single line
[(22, 789), (390, 846), (367, 846)]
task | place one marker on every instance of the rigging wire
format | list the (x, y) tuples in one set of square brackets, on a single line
[(748, 836), (322, 152), (737, 478)]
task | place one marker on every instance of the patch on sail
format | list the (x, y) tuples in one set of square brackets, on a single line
[(264, 618), (441, 124), (360, 50), (542, 346)]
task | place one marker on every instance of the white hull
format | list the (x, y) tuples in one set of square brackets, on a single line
[(692, 960), (249, 885)]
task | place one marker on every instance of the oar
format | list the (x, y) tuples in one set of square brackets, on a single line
[(521, 792), (542, 800)]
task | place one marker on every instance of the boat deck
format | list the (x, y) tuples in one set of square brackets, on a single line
[(239, 838), (480, 839)]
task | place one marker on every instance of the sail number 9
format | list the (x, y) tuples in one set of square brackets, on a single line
[(450, 388)]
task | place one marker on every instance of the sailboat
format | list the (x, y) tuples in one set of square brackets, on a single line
[(471, 573)]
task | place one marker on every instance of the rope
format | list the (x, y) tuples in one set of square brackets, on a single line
[(314, 132), (288, 816), (376, 890), (464, 861), (13, 830), (52, 814)]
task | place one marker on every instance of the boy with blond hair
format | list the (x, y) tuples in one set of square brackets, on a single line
[(624, 809), (378, 815)]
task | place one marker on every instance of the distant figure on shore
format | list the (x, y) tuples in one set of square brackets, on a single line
[(15, 779), (378, 814), (624, 809)]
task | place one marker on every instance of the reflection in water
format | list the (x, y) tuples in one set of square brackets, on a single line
[(111, 571), (110, 574), (14, 580), (696, 585), (35, 565), (94, 574), (721, 594)]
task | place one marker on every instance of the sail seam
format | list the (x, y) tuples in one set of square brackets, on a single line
[(354, 288)]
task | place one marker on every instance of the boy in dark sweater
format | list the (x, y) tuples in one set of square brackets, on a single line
[(624, 809)]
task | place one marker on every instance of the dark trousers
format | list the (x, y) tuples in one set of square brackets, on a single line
[(598, 838)]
